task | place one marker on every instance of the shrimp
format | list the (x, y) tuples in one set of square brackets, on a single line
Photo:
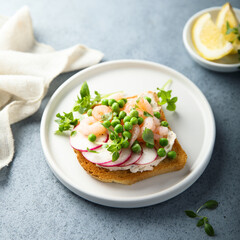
[(129, 105), (99, 111), (156, 121), (160, 132), (116, 96), (90, 125), (144, 105), (135, 133)]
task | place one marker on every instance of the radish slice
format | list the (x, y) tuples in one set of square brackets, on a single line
[(148, 156), (80, 142), (125, 155), (102, 156), (134, 158)]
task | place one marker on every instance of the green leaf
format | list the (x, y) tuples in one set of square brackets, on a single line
[(229, 30), (191, 214), (84, 92), (73, 133), (171, 107), (173, 100), (146, 114), (200, 222), (209, 229), (115, 156), (92, 151), (168, 94), (211, 204), (112, 148), (148, 136), (136, 106), (107, 116), (162, 102)]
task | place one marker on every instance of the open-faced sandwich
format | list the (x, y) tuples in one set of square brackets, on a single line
[(123, 139)]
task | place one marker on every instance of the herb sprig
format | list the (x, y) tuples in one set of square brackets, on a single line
[(85, 101), (66, 122), (166, 97), (115, 145), (211, 204), (236, 32)]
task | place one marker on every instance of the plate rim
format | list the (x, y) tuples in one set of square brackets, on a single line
[(127, 202)]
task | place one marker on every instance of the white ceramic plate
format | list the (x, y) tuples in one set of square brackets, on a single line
[(228, 63), (193, 123)]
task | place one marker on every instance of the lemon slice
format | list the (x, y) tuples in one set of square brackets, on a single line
[(208, 39), (225, 15)]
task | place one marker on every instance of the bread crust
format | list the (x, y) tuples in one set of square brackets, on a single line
[(126, 176)]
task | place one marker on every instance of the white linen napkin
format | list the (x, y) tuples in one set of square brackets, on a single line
[(26, 70)]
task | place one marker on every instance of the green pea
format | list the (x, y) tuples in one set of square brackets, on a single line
[(149, 145), (122, 114), (115, 156), (89, 112), (118, 128), (115, 122), (163, 142), (105, 102), (127, 119), (92, 137), (136, 148), (172, 154), (115, 107), (121, 103), (148, 99), (127, 134), (161, 152), (125, 144), (112, 136), (140, 120), (157, 115), (106, 124), (164, 124), (125, 100), (134, 120), (111, 102), (128, 126), (133, 113)]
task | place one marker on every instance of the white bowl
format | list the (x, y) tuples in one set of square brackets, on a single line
[(228, 63)]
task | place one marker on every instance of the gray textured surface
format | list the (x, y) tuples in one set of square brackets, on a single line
[(35, 205)]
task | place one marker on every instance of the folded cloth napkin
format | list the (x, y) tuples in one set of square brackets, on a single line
[(26, 70)]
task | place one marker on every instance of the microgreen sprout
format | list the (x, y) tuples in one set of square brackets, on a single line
[(66, 122), (203, 221), (236, 32), (165, 97)]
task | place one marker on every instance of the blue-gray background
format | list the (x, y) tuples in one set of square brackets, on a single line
[(35, 205)]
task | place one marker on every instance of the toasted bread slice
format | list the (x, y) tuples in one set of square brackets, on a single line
[(126, 176)]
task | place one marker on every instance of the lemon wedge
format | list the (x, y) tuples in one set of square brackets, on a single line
[(225, 15), (208, 39)]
